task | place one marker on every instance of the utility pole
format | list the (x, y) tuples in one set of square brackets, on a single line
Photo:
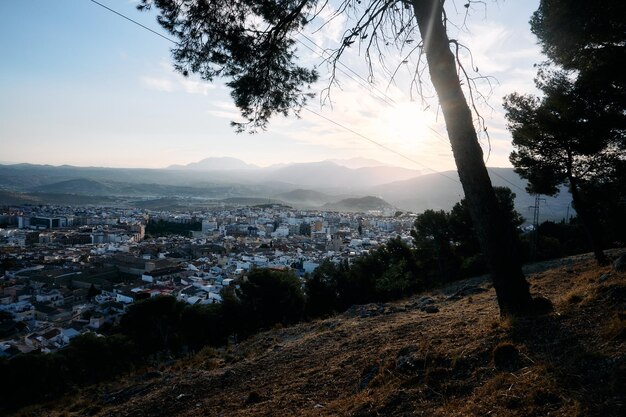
[(534, 242)]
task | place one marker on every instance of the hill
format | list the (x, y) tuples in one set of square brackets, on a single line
[(14, 198), (306, 198), (362, 204), (397, 360), (327, 175), (325, 181), (441, 191), (216, 164), (75, 186)]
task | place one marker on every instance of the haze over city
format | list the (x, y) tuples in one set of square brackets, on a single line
[(83, 86)]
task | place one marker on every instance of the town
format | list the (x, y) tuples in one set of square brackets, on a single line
[(67, 271)]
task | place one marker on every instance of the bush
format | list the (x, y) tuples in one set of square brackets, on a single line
[(269, 297)]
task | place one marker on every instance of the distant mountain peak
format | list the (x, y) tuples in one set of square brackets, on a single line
[(215, 163), (358, 162)]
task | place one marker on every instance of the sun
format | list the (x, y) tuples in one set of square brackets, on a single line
[(408, 127)]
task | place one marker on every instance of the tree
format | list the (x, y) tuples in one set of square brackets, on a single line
[(92, 292), (564, 137), (587, 37), (321, 289), (271, 297), (432, 238), (203, 325), (252, 44), (584, 99), (154, 324), (462, 229)]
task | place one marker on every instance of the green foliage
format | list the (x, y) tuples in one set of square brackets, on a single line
[(246, 42), (322, 289), (165, 228), (269, 297), (576, 132), (387, 273), (432, 237), (462, 229), (203, 325), (34, 376), (91, 359), (446, 243), (154, 324), (563, 136), (401, 275), (587, 37)]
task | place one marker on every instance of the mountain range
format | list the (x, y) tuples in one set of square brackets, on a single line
[(350, 185)]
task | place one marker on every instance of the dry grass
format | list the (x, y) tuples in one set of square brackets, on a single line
[(461, 361)]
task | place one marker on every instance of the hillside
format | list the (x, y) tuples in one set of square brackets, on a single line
[(303, 185), (306, 198), (75, 186), (362, 204), (8, 197), (397, 360), (441, 191)]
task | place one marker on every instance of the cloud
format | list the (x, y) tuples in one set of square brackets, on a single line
[(225, 110), (158, 84), (169, 81), (195, 87)]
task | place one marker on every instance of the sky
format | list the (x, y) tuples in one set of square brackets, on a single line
[(82, 86)]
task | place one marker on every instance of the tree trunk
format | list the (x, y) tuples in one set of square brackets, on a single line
[(493, 230), (589, 224)]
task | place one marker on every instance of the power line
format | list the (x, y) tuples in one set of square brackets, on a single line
[(359, 76), (379, 144), (305, 108), (135, 22), (386, 97), (505, 180)]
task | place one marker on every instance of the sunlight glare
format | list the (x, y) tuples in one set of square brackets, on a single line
[(407, 127)]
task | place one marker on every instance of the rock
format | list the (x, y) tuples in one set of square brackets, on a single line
[(369, 310), (620, 264), (424, 301), (430, 309), (366, 377), (408, 361), (254, 398), (424, 304), (465, 291), (604, 277), (506, 357), (407, 364), (542, 305)]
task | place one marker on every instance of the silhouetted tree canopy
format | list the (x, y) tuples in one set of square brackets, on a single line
[(588, 37), (271, 297), (576, 132)]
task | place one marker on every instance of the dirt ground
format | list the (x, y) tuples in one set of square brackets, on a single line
[(445, 353)]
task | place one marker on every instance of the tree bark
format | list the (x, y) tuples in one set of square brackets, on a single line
[(492, 228)]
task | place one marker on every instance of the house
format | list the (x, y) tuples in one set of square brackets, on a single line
[(96, 321), (68, 334), (52, 298), (45, 312), (125, 296)]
